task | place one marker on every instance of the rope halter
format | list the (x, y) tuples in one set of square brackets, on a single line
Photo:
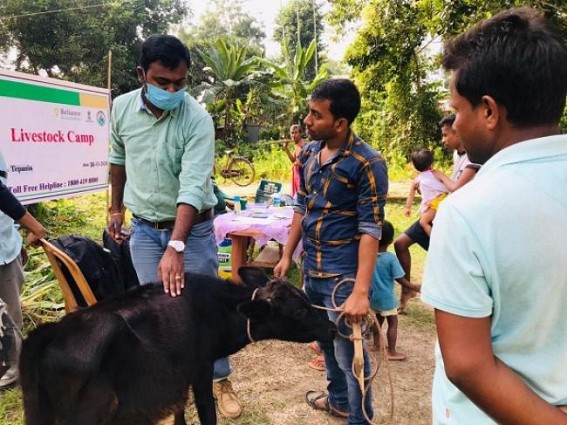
[(248, 327)]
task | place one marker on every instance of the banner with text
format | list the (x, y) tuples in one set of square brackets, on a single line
[(54, 136)]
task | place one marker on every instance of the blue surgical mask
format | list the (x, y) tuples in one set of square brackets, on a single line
[(162, 99)]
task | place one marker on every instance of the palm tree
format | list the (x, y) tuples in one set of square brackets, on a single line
[(289, 79), (228, 69)]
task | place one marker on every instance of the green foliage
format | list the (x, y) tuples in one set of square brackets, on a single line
[(73, 42), (226, 20), (298, 24), (400, 111), (563, 124), (344, 12), (231, 71), (272, 163), (398, 167), (290, 80), (393, 67), (457, 16)]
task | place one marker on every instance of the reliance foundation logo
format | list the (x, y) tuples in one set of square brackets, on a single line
[(67, 114)]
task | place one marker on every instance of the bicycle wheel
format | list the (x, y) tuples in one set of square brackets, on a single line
[(241, 171)]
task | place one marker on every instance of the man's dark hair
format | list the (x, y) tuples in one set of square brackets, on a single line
[(422, 159), (448, 120), (344, 97), (517, 58), (167, 49), (387, 233)]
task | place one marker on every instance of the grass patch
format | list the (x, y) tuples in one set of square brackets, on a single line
[(83, 215), (252, 415), (419, 317), (11, 412)]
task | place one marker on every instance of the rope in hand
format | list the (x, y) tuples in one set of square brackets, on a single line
[(368, 323)]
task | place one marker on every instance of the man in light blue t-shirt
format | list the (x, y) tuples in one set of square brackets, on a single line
[(496, 271)]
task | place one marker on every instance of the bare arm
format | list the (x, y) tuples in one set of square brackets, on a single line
[(116, 211), (295, 232), (470, 365), (404, 282), (37, 231), (357, 305), (466, 176), (411, 196), (171, 268), (288, 153)]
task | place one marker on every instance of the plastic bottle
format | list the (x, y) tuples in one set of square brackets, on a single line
[(276, 200), (237, 206)]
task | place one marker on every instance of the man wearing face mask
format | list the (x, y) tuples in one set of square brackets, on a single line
[(161, 161)]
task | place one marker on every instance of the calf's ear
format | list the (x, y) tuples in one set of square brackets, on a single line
[(255, 310), (253, 276)]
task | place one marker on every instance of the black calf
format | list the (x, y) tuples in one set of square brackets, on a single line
[(130, 360)]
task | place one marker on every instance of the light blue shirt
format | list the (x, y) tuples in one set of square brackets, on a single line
[(168, 160), (10, 238), (499, 250), (387, 269)]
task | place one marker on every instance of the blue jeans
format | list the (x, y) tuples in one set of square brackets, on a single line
[(344, 392), (148, 245)]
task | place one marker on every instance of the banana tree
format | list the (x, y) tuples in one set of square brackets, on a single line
[(228, 68), (289, 79)]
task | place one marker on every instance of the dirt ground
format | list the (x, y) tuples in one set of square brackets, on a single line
[(272, 377)]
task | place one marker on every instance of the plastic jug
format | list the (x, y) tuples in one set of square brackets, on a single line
[(224, 255)]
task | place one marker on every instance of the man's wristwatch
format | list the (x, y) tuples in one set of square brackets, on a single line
[(178, 246)]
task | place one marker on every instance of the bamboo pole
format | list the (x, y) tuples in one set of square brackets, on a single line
[(109, 87)]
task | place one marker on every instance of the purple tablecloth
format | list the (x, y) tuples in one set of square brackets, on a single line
[(273, 223)]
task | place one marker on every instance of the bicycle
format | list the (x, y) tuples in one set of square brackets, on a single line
[(239, 169)]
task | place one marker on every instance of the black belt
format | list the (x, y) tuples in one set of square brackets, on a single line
[(168, 224)]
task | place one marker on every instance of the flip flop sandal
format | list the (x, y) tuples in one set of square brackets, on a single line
[(311, 398), (315, 348), (318, 363)]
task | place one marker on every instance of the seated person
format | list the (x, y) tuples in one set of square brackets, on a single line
[(222, 200)]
